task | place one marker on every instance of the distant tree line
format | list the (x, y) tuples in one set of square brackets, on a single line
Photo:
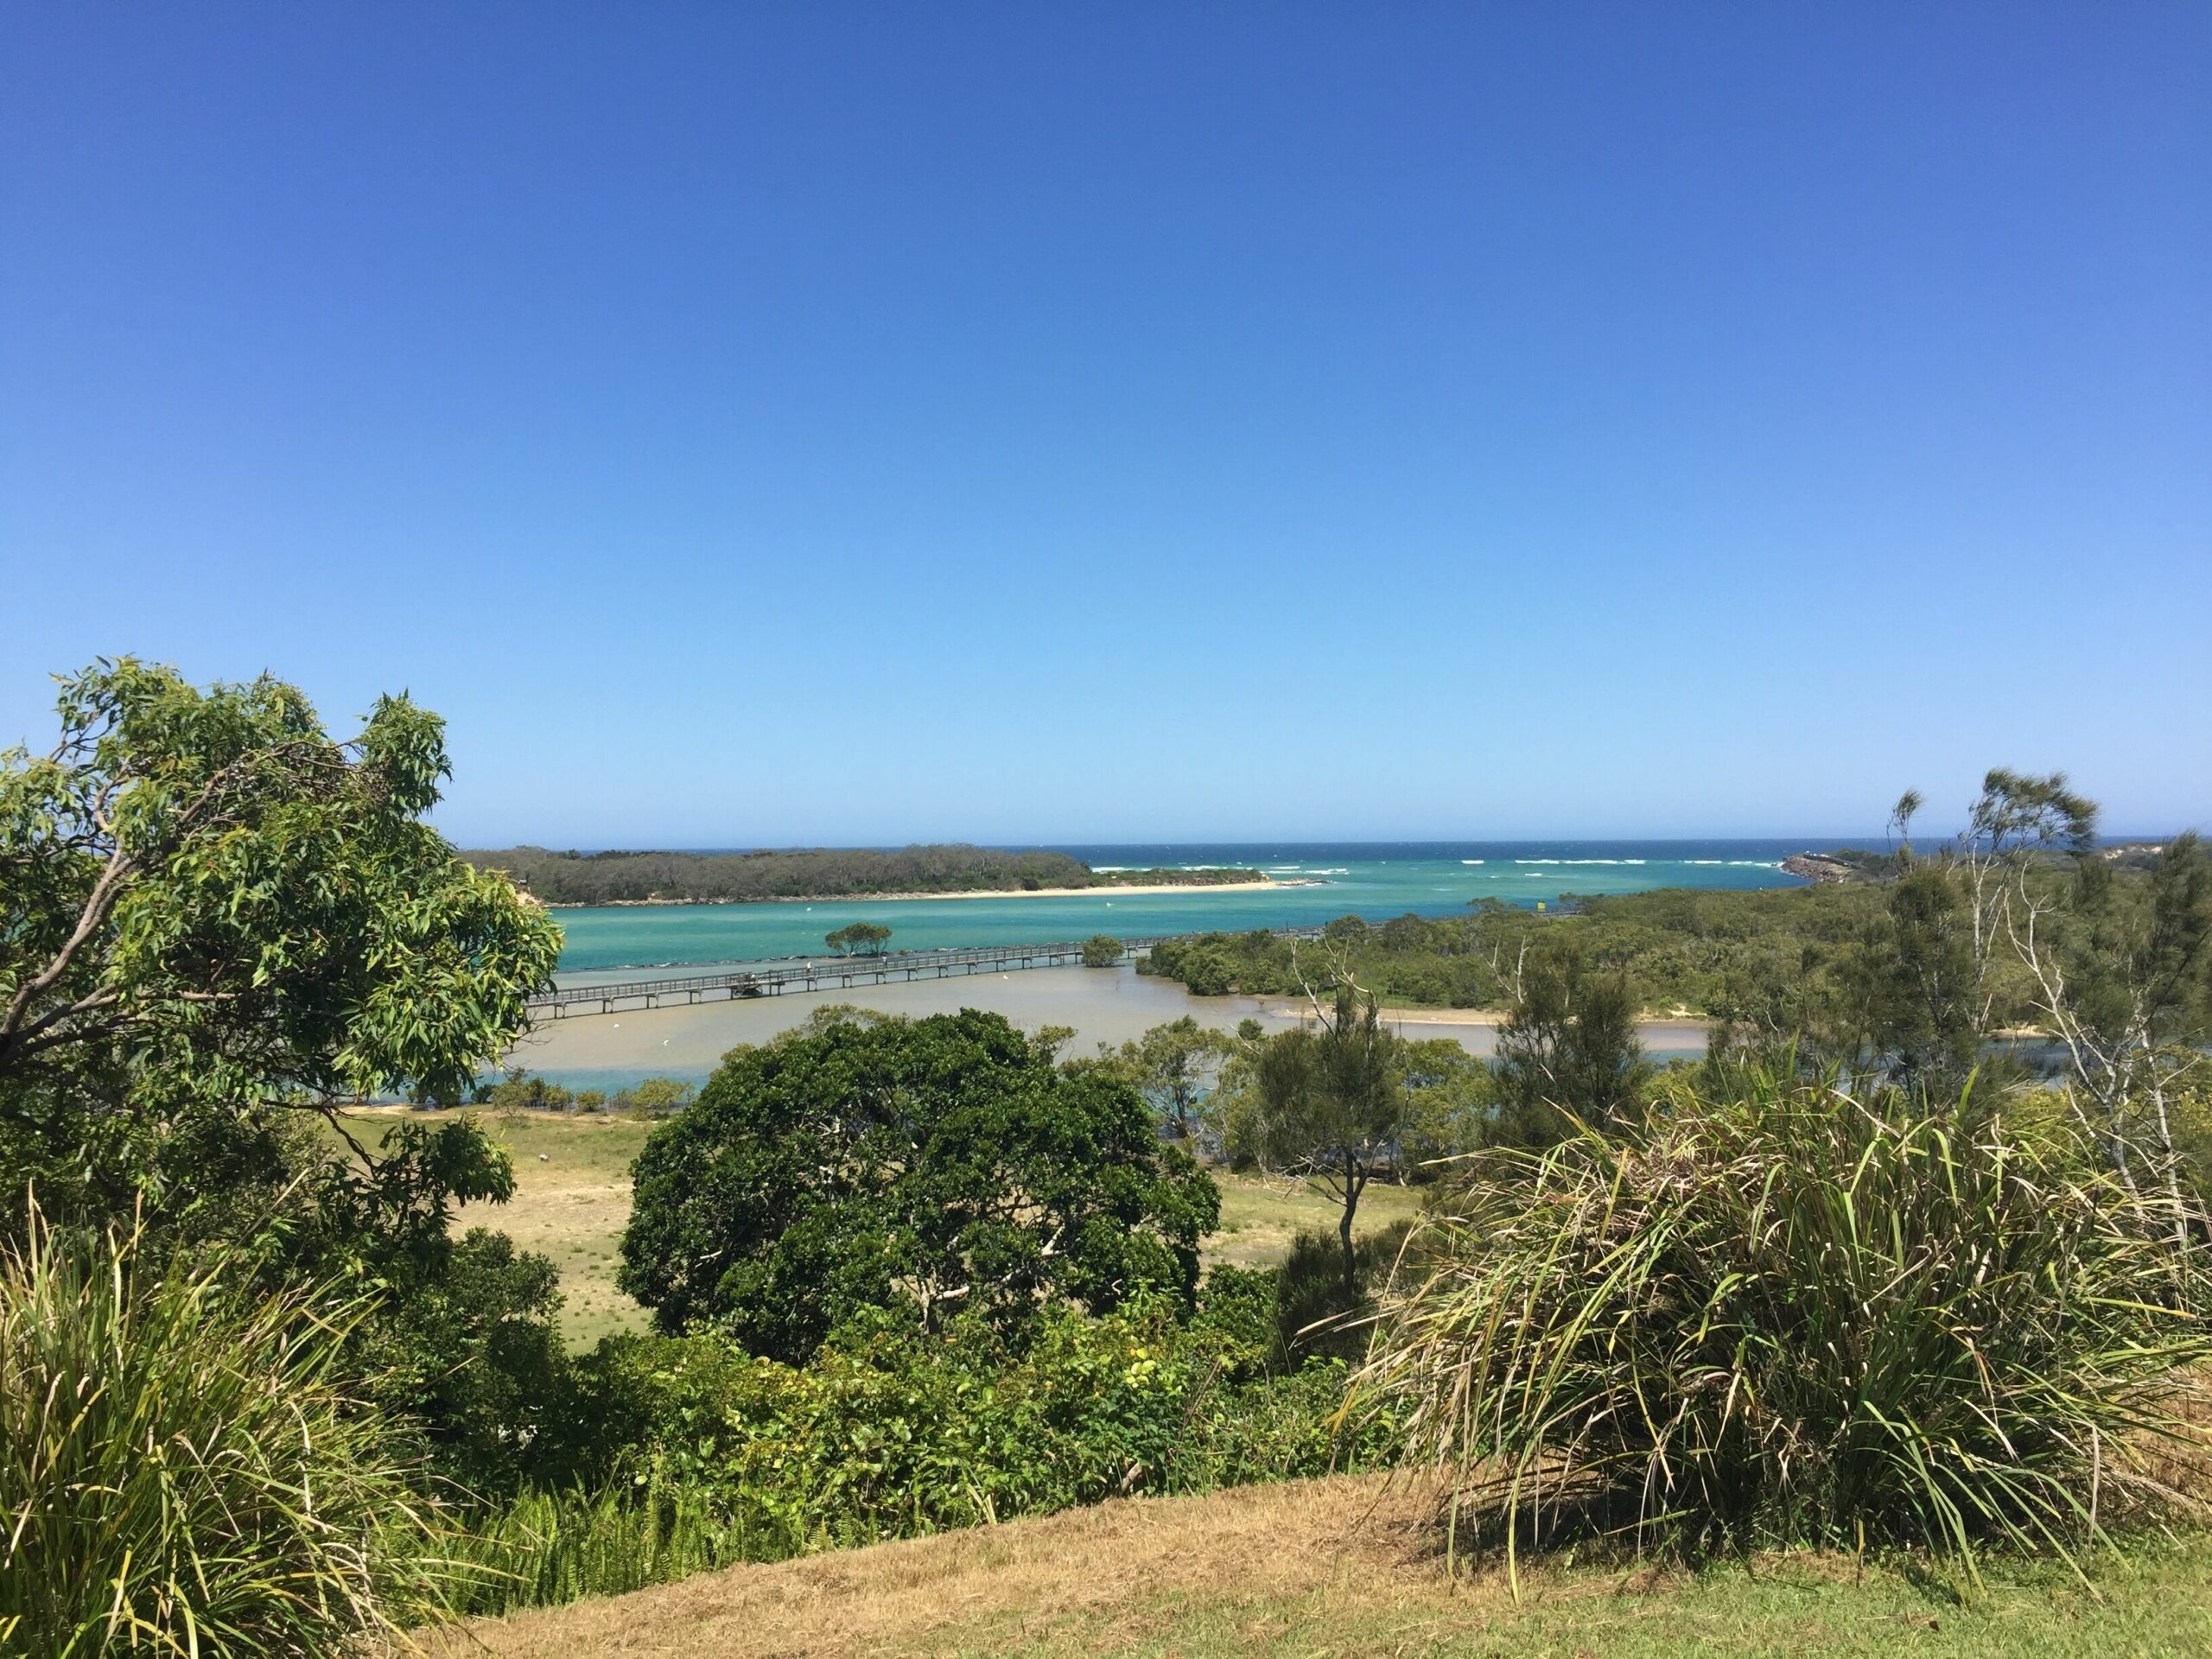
[(605, 878)]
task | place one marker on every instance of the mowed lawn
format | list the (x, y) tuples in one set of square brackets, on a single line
[(572, 1200), (1341, 1567)]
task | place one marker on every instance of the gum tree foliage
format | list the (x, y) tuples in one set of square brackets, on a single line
[(2122, 979), (218, 925), (215, 914), (933, 1167), (2023, 919), (1327, 1102), (1451, 1105), (1568, 1047)]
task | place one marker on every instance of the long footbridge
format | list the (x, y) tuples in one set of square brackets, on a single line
[(752, 979)]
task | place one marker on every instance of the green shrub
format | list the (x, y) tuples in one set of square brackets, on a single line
[(887, 1433), (1101, 950), (184, 1472), (470, 1355), (1312, 1314), (1794, 1317), (942, 1167)]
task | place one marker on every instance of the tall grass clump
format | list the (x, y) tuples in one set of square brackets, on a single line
[(546, 1549), (181, 1472), (1793, 1317)]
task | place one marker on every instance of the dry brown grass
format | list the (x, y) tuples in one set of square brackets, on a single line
[(1111, 1570), (571, 1203), (1344, 1566), (1260, 1216)]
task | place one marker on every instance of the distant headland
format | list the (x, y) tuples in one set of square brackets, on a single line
[(954, 871)]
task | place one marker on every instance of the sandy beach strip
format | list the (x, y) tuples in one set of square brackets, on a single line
[(1078, 893), (1297, 1007), (965, 893)]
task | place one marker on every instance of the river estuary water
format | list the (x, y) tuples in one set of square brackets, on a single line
[(1321, 882), (1375, 881)]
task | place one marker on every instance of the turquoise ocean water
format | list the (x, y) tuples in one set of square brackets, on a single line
[(1376, 880)]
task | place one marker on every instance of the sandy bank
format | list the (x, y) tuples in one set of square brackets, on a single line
[(1297, 1007), (965, 893)]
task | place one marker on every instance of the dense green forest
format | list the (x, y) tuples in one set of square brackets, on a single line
[(614, 878), (1681, 948), (1715, 954)]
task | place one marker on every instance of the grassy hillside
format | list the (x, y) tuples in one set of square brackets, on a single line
[(572, 1200), (1341, 1566)]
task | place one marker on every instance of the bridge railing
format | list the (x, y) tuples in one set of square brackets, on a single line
[(764, 976)]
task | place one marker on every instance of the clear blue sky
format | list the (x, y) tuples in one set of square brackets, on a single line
[(822, 424)]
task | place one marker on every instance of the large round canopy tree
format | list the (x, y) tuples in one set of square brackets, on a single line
[(933, 1167)]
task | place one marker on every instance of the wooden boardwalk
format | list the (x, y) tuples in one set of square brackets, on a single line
[(750, 979)]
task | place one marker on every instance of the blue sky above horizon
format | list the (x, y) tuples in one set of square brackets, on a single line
[(844, 425)]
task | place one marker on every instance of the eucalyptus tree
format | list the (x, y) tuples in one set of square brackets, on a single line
[(215, 917), (2017, 823), (219, 925), (1326, 1102), (2122, 975), (1569, 1050)]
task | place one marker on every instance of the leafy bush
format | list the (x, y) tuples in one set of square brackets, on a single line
[(184, 1472), (1790, 1316), (1101, 950), (889, 1434), (469, 1352), (1312, 1314)]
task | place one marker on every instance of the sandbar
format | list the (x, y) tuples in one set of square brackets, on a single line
[(1107, 892)]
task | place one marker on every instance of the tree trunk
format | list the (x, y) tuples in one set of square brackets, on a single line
[(2174, 1195), (1343, 1236)]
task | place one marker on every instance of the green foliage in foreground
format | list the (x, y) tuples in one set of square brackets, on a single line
[(213, 914), (889, 1433), (185, 1472), (1790, 1317)]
